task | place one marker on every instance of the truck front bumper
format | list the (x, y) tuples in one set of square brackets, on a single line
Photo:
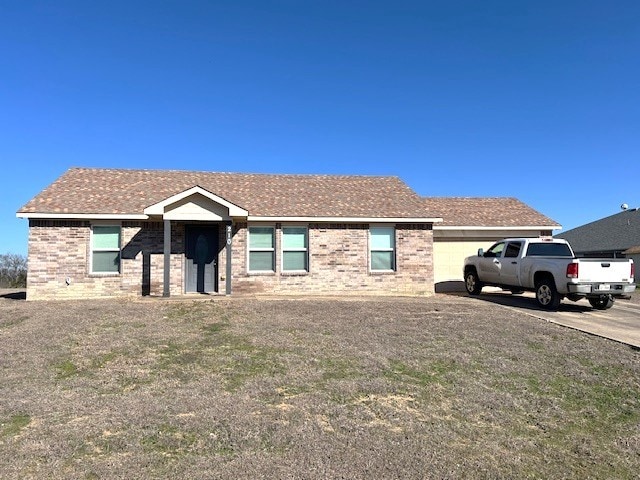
[(590, 289)]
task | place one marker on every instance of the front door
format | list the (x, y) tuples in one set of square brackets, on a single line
[(201, 253)]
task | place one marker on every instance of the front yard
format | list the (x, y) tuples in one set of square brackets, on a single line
[(445, 387)]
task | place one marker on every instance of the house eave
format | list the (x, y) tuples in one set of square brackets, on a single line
[(81, 216), (257, 218), (503, 227)]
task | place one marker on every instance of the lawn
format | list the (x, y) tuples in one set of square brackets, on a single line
[(444, 387)]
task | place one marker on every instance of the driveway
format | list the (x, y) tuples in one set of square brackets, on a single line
[(620, 323)]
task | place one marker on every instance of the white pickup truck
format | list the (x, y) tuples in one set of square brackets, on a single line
[(548, 267)]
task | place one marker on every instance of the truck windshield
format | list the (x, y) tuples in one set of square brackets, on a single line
[(549, 250)]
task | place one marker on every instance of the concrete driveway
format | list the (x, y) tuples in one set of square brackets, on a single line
[(620, 323)]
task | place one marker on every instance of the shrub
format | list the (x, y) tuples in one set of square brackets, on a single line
[(13, 270)]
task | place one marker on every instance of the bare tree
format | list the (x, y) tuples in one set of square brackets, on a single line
[(13, 270)]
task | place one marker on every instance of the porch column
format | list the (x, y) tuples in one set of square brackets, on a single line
[(167, 258), (229, 231)]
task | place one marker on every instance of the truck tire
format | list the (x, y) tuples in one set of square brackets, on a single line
[(603, 302), (546, 293), (472, 283)]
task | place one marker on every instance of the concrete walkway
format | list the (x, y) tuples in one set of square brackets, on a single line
[(620, 323)]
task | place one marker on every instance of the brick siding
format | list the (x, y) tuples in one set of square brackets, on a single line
[(338, 262)]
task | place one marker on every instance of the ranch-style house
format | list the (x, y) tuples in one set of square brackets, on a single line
[(117, 232)]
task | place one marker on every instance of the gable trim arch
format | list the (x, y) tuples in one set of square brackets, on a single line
[(196, 203)]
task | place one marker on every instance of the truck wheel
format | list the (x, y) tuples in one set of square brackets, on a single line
[(472, 283), (603, 302), (546, 294)]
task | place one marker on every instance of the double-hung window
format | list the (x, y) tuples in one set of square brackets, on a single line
[(262, 249), (105, 249), (382, 243), (295, 245)]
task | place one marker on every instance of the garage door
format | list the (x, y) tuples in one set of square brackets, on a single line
[(449, 255)]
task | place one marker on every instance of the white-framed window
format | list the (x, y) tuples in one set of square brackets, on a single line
[(382, 249), (295, 249), (262, 249), (105, 249)]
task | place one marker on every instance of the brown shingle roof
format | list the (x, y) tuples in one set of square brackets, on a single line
[(485, 212), (120, 191)]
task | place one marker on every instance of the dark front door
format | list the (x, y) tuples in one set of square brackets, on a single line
[(201, 252)]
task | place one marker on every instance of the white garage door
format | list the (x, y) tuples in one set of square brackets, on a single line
[(449, 255)]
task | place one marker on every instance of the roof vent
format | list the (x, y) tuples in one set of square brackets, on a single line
[(624, 206)]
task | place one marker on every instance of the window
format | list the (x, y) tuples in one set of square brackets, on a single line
[(549, 250), (295, 249), (261, 249), (495, 251), (383, 246), (105, 249), (513, 250)]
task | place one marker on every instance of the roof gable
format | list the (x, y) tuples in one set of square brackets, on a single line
[(198, 202)]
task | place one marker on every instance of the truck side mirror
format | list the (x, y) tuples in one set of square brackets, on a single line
[(480, 252)]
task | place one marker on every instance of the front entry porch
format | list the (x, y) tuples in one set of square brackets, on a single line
[(203, 214)]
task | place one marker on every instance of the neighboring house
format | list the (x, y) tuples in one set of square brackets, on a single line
[(471, 223), (112, 232), (634, 253), (616, 236)]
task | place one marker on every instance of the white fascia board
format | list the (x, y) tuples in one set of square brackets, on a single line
[(344, 219), (509, 227), (158, 208), (83, 216)]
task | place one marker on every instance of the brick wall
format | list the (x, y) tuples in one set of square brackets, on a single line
[(338, 262), (59, 261)]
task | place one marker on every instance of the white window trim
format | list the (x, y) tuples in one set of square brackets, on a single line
[(272, 250), (283, 250), (393, 250), (92, 250)]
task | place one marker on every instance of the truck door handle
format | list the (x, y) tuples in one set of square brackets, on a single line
[(496, 261), (514, 263)]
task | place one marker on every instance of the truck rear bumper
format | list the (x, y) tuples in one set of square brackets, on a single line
[(589, 289)]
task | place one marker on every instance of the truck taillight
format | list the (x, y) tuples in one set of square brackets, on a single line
[(633, 270), (572, 270)]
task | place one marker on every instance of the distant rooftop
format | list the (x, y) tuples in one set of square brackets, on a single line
[(617, 232)]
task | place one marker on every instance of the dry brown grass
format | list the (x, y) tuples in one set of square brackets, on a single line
[(445, 387)]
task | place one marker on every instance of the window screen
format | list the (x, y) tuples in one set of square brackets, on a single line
[(383, 248), (295, 246), (105, 249), (261, 249)]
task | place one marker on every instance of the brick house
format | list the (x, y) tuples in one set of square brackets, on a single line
[(112, 232)]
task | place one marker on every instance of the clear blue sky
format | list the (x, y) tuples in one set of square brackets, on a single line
[(534, 99)]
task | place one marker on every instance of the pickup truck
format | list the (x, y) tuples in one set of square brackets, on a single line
[(548, 267)]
